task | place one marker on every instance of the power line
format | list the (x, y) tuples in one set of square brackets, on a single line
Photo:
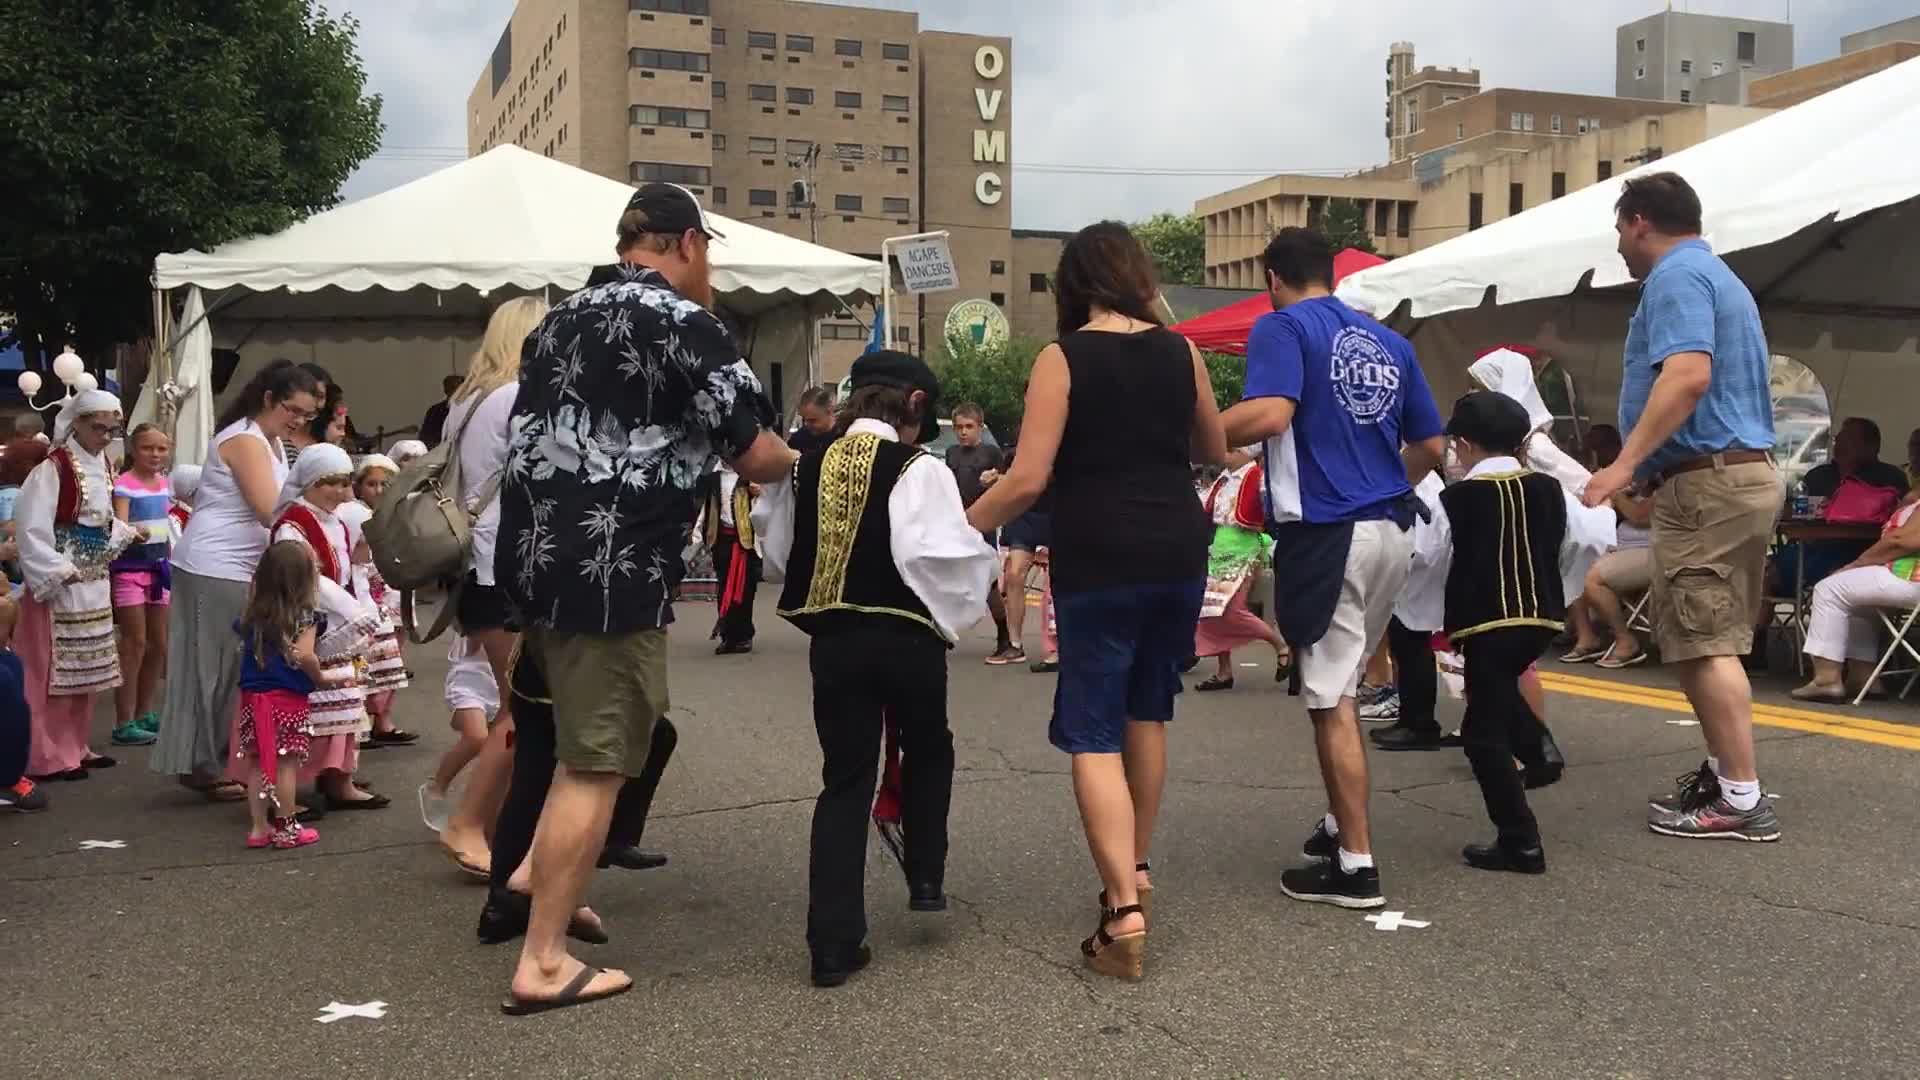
[(448, 153)]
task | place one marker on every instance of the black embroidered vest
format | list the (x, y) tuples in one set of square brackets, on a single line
[(1507, 531), (841, 573)]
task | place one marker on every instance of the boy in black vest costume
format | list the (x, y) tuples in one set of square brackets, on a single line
[(882, 570), (1504, 605)]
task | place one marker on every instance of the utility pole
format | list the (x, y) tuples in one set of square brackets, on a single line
[(806, 196)]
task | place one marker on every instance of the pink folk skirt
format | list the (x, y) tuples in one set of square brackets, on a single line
[(1233, 628), (61, 722)]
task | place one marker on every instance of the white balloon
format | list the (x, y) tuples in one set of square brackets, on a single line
[(68, 366), (84, 382), (29, 383)]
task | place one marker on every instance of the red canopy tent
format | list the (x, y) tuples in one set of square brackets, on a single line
[(1226, 330)]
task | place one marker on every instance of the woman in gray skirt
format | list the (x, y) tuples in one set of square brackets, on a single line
[(212, 567)]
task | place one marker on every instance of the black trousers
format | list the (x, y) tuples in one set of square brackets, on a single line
[(1419, 679), (533, 764), (736, 626), (1499, 725), (857, 675)]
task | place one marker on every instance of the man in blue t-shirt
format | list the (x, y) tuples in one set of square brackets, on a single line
[(1347, 418), (1698, 416)]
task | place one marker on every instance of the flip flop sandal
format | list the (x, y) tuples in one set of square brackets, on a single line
[(1585, 656), (574, 993), (466, 864), (218, 790), (1612, 664)]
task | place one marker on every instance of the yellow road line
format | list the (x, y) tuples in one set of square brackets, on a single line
[(1859, 729)]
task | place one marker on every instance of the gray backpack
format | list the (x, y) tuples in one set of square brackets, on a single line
[(422, 535)]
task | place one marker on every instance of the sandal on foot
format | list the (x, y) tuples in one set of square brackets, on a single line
[(1144, 892), (1815, 692), (574, 993), (1283, 668), (1613, 663), (216, 790), (1213, 683), (1121, 957), (1581, 654), (467, 864)]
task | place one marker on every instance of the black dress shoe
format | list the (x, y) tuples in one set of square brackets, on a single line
[(504, 917), (1399, 737), (1514, 859), (925, 896), (733, 648), (834, 966), (630, 857)]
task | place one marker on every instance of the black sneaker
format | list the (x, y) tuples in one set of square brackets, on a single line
[(1400, 737), (1326, 883), (1322, 845)]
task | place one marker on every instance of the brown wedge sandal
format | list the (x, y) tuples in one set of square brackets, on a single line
[(1119, 957), (1144, 892)]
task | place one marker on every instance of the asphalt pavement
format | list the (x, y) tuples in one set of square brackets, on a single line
[(178, 953)]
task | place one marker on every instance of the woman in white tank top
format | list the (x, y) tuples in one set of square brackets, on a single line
[(212, 567)]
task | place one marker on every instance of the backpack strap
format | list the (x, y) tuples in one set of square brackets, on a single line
[(455, 481), (440, 621)]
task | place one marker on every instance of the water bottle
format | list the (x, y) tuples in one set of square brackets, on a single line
[(1802, 505)]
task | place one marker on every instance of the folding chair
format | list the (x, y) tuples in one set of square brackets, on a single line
[(1639, 618), (1902, 642)]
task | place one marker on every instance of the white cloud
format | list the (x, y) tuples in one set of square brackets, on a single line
[(1196, 88)]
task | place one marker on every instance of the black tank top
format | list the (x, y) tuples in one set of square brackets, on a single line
[(1125, 511)]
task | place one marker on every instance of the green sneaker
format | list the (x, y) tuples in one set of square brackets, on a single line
[(132, 734), (148, 722)]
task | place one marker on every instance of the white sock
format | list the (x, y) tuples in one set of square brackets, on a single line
[(1349, 862), (1713, 765), (1331, 824), (1740, 794)]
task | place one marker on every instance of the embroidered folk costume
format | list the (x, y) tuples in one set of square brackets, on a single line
[(68, 536), (1240, 545), (736, 565)]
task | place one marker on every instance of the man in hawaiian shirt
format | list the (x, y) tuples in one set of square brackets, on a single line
[(629, 392)]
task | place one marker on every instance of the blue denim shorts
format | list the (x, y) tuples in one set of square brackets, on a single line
[(1121, 649)]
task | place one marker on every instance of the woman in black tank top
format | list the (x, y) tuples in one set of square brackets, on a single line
[(1117, 410)]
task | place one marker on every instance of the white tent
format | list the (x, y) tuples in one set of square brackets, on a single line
[(1817, 207), (392, 292)]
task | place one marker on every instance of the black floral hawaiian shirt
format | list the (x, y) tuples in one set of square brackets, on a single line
[(628, 394)]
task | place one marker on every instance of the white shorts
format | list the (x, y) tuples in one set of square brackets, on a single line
[(470, 682), (1377, 568)]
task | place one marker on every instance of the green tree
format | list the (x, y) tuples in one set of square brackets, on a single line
[(1178, 245), (137, 128), (993, 377), (1344, 224), (1228, 373)]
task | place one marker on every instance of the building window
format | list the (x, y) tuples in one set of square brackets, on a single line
[(1580, 126), (1382, 216), (894, 153), (1640, 72), (896, 207), (1513, 121), (719, 143), (1037, 283), (1459, 131), (845, 47), (1516, 198), (1527, 120), (666, 172), (1476, 211), (669, 60), (719, 36), (892, 51), (719, 90), (657, 116), (673, 7), (799, 95), (759, 92), (799, 43), (996, 267), (842, 332), (1553, 123), (849, 151), (1745, 46), (1718, 67), (761, 39), (799, 148), (719, 196), (758, 145), (1640, 45), (1403, 220), (1606, 169), (846, 99), (1686, 97), (894, 102), (851, 204), (1686, 67), (902, 335), (1559, 184), (762, 197), (998, 299)]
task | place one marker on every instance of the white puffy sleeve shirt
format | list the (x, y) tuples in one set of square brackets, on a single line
[(45, 569)]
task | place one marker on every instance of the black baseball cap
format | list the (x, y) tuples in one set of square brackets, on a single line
[(1493, 422), (887, 367), (672, 209)]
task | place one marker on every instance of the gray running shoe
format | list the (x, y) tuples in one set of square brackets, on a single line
[(1697, 787), (1383, 709), (1718, 820)]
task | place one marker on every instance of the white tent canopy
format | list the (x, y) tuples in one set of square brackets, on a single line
[(1817, 207), (392, 292)]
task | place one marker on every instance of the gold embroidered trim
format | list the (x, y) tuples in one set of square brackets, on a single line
[(864, 610), (846, 474), (1502, 624)]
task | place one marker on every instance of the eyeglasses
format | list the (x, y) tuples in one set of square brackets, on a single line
[(302, 415)]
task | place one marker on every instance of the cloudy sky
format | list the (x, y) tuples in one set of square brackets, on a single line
[(1200, 95)]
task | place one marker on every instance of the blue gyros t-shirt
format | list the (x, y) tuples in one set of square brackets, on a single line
[(1692, 302), (1359, 395)]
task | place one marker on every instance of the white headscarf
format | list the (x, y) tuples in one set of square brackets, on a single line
[(1507, 372), (314, 463), (79, 405), (375, 461), (185, 480), (408, 449)]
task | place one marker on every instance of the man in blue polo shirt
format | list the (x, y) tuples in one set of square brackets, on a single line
[(1337, 399), (1695, 405)]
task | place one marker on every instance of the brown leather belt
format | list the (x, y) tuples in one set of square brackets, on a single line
[(1725, 457)]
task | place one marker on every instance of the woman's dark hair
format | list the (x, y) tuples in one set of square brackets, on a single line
[(1299, 258), (1104, 266), (281, 379), (888, 404), (1665, 199), (20, 458), (322, 420)]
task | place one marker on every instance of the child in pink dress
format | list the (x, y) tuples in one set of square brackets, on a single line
[(279, 669), (143, 498)]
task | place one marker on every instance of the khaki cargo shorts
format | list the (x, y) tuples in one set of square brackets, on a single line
[(608, 691), (1711, 530)]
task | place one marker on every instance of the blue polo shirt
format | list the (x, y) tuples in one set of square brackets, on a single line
[(1693, 303), (1359, 395)]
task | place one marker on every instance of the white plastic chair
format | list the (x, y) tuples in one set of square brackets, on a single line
[(1902, 642)]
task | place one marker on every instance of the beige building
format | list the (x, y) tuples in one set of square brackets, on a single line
[(1413, 93), (843, 125)]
